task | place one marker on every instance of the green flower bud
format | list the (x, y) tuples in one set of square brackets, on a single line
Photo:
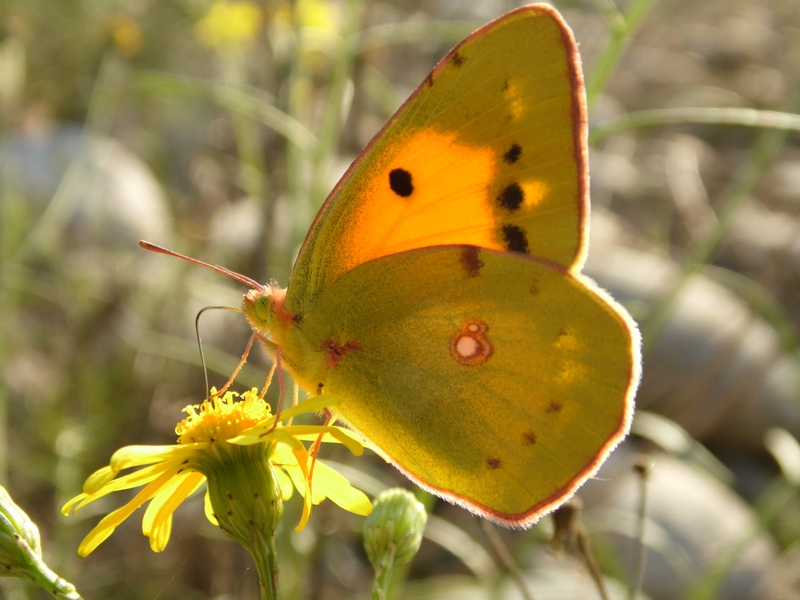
[(393, 531), (16, 529), (21, 551)]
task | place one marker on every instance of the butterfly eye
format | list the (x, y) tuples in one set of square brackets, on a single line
[(263, 307)]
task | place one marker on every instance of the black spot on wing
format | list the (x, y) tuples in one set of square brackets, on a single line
[(554, 407), (511, 197), (471, 261), (512, 154), (515, 239), (400, 182)]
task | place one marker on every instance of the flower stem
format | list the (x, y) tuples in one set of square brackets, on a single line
[(246, 500), (58, 587), (265, 555), (383, 576)]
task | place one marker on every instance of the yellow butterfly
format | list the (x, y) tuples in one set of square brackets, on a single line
[(438, 291)]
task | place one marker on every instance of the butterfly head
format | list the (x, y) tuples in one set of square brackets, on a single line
[(265, 308)]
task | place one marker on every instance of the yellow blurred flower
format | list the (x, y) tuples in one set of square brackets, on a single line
[(232, 445), (319, 14), (127, 35), (229, 24), (310, 29)]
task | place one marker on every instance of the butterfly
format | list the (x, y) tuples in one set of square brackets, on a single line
[(438, 293)]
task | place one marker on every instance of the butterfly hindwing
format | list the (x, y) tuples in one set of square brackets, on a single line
[(489, 151), (498, 381)]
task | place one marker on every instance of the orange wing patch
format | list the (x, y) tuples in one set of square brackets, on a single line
[(437, 191), (420, 200)]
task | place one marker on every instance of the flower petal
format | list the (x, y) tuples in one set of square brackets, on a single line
[(135, 456), (110, 522), (297, 471), (157, 520), (310, 405), (98, 479), (209, 510), (70, 503), (282, 455), (331, 484), (331, 434), (132, 480), (285, 484), (159, 535), (102, 530)]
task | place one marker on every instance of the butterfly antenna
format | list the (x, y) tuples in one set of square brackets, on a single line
[(202, 354), (200, 348), (237, 276)]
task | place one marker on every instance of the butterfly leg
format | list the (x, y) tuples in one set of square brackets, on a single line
[(238, 368)]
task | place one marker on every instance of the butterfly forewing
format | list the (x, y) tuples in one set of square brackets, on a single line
[(489, 151)]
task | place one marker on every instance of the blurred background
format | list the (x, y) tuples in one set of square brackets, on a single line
[(217, 128)]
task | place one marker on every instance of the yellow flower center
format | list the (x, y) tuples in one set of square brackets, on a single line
[(222, 418)]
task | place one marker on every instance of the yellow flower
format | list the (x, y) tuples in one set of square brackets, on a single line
[(233, 446), (126, 35), (317, 14), (229, 24)]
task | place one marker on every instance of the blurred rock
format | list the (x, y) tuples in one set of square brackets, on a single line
[(92, 186), (783, 582), (695, 525), (718, 369)]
